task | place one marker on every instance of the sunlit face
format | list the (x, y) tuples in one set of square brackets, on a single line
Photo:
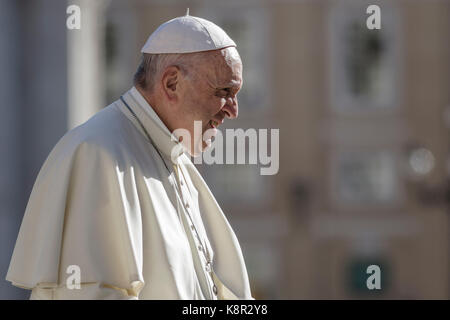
[(210, 96)]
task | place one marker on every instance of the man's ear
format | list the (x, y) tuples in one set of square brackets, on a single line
[(170, 82)]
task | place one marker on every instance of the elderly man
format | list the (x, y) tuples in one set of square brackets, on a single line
[(118, 210)]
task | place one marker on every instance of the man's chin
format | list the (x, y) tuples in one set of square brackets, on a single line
[(199, 150), (201, 143)]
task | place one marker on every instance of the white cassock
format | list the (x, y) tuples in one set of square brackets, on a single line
[(140, 224)]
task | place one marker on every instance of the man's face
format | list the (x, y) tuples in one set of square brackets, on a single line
[(210, 96)]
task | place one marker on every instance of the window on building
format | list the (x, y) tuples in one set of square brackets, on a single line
[(364, 63), (365, 177)]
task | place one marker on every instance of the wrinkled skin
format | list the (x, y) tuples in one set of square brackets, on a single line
[(207, 93)]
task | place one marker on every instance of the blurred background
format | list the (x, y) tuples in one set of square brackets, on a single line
[(364, 119)]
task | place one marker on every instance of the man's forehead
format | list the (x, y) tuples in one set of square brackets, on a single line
[(228, 74), (220, 68), (225, 78)]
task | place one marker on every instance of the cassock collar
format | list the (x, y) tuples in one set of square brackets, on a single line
[(164, 140)]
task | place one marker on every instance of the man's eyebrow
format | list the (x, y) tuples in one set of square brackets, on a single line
[(231, 85), (229, 89)]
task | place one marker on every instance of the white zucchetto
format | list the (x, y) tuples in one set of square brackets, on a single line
[(187, 34)]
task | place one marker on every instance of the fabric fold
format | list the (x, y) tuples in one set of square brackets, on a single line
[(78, 214)]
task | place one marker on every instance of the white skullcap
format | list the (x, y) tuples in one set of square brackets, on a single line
[(187, 34)]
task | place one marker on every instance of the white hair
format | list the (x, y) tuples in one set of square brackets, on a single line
[(152, 65)]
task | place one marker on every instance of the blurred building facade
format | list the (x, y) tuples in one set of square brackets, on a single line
[(364, 147)]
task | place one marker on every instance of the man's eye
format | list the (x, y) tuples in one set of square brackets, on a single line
[(223, 93)]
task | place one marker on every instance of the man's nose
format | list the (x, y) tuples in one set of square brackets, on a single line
[(231, 108)]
